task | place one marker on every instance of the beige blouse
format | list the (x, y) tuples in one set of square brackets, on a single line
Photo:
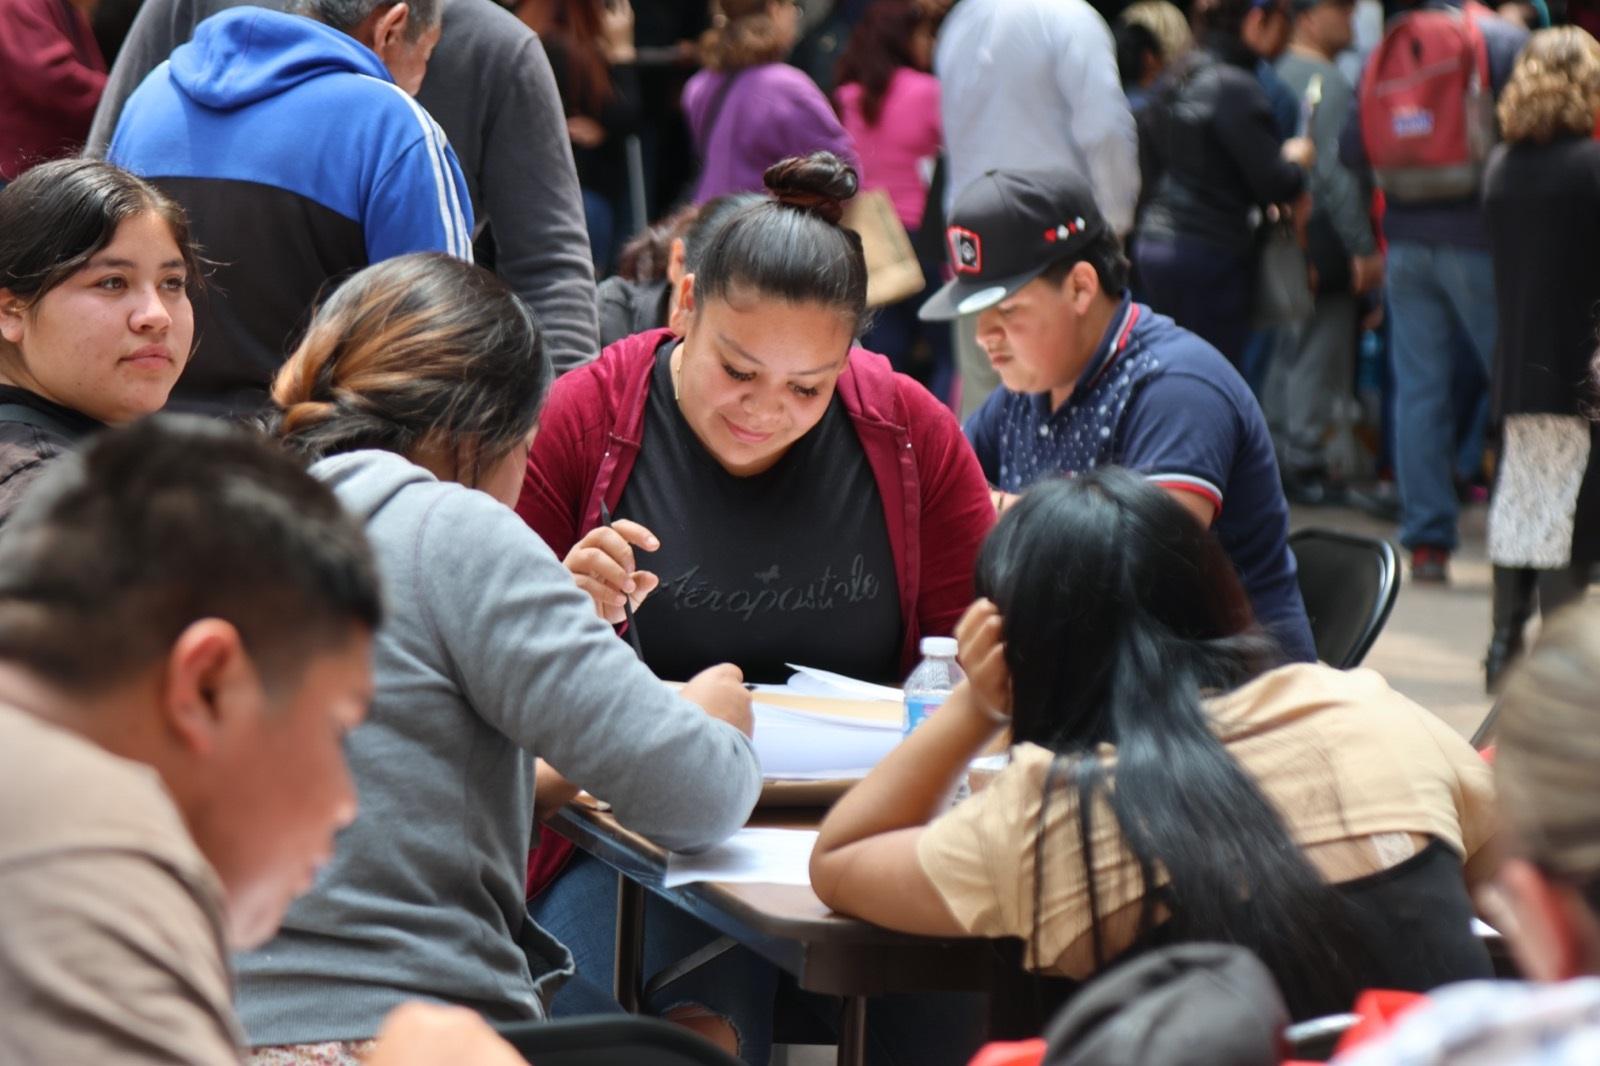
[(1361, 775)]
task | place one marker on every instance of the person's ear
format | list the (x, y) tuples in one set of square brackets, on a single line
[(1545, 940), (13, 316), (682, 305), (390, 28), (1083, 285), (1250, 30), (209, 679)]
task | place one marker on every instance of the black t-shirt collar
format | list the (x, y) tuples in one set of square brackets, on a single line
[(77, 422)]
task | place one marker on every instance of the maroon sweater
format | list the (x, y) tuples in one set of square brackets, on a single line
[(936, 502), (51, 77)]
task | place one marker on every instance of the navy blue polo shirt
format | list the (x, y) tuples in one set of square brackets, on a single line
[(1157, 399)]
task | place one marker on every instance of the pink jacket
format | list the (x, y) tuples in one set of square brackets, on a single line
[(907, 133)]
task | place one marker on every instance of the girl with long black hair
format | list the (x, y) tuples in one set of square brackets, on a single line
[(1167, 781)]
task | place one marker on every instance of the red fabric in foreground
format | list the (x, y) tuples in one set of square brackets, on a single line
[(1013, 1053)]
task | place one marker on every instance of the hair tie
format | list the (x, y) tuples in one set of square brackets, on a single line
[(825, 207)]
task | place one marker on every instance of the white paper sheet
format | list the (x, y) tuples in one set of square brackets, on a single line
[(768, 856), (811, 681), (794, 746)]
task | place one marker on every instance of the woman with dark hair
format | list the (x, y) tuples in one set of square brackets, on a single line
[(648, 288), (748, 108), (95, 320), (1164, 784), (1212, 159), (1542, 204), (415, 392), (801, 501), (762, 394), (889, 104), (592, 54)]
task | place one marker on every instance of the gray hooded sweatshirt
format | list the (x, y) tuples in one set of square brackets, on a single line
[(490, 656)]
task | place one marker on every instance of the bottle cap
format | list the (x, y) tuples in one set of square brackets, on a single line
[(943, 647)]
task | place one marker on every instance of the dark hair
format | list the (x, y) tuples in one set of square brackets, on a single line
[(575, 31), (791, 246), (713, 213), (1135, 41), (1104, 253), (122, 545), (57, 216), (645, 257), (1119, 612), (879, 45), (1225, 18), (742, 34), (422, 350)]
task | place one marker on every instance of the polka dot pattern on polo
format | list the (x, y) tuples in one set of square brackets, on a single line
[(1036, 443)]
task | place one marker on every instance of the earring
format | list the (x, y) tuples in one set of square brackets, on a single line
[(675, 365)]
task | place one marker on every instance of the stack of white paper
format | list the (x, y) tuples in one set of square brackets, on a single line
[(811, 745), (769, 856), (798, 746)]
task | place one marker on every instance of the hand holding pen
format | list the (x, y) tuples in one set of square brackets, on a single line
[(603, 565)]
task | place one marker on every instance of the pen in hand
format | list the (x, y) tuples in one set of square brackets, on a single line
[(627, 601)]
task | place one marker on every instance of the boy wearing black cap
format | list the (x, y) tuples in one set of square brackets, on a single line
[(1092, 378)]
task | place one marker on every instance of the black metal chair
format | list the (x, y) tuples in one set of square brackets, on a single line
[(1349, 583), (1315, 1040), (610, 1040), (1484, 736)]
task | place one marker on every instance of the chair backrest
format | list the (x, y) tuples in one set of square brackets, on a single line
[(1316, 1039), (1349, 583), (611, 1039), (1484, 737)]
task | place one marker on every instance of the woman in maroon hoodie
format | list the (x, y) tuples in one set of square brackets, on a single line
[(797, 500)]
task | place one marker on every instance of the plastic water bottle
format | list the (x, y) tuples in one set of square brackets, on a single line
[(931, 682)]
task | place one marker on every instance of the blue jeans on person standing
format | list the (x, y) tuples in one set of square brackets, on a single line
[(600, 217), (580, 910), (1441, 300)]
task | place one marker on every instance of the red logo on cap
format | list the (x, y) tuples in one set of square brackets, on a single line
[(966, 250)]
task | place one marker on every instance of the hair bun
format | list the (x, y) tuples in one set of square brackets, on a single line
[(819, 183)]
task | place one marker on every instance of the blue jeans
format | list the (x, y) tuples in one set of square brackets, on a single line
[(600, 216), (580, 910), (1442, 302)]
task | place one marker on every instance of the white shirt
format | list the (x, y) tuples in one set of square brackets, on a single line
[(1033, 84)]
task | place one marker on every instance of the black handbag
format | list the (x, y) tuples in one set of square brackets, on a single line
[(1283, 286)]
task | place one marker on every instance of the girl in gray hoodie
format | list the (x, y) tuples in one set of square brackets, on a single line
[(416, 391)]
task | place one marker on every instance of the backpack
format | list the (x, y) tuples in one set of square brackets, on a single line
[(1427, 105)]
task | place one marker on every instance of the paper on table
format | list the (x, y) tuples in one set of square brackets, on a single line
[(795, 746), (769, 856), (810, 681), (815, 711)]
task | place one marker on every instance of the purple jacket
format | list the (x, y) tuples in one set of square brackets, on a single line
[(774, 111)]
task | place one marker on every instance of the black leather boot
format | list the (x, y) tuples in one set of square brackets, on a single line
[(1513, 606)]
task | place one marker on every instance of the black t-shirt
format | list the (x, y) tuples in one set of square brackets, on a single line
[(789, 565)]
